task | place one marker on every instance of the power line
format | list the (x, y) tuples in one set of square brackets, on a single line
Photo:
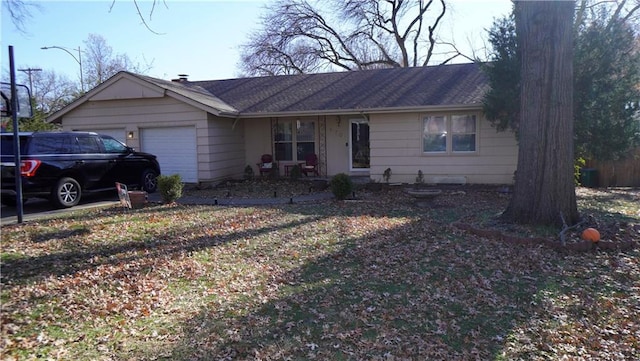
[(29, 71)]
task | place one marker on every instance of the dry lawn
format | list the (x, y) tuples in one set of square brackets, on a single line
[(377, 278)]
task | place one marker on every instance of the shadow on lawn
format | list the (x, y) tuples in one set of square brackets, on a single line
[(157, 242), (616, 199), (160, 240), (425, 290), (415, 292), (422, 291)]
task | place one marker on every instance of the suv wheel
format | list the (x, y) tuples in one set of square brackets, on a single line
[(149, 181), (66, 193)]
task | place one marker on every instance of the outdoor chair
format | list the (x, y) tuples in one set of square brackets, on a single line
[(310, 165), (266, 164)]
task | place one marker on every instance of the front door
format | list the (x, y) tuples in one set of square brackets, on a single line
[(359, 145)]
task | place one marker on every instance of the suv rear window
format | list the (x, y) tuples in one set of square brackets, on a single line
[(52, 145), (6, 143)]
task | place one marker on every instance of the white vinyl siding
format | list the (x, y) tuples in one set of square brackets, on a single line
[(135, 115), (222, 149), (397, 143)]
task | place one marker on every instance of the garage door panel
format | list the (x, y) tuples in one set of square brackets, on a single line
[(175, 148)]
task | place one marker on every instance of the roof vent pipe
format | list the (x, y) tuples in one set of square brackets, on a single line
[(181, 78)]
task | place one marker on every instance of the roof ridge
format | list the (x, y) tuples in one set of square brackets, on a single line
[(408, 68), (461, 84)]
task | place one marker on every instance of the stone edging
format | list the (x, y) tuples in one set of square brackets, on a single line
[(581, 245)]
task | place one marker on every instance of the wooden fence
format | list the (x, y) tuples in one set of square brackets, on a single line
[(620, 173)]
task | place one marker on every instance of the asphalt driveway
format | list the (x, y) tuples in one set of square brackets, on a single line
[(41, 208)]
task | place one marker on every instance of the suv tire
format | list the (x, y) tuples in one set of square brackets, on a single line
[(149, 181), (66, 193)]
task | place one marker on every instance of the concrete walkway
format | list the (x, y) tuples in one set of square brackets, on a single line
[(41, 209), (307, 198)]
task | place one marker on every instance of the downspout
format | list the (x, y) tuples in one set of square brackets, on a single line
[(233, 126)]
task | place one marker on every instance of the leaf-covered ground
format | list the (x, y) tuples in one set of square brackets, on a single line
[(382, 277)]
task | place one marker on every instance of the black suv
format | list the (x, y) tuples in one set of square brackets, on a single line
[(63, 165)]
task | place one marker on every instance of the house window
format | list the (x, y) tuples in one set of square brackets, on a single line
[(434, 138), (305, 139), (449, 134), (283, 141), (293, 140)]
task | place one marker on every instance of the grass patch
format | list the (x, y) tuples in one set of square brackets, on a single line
[(374, 279)]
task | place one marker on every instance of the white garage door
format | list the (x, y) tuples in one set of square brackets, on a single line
[(175, 148), (117, 133)]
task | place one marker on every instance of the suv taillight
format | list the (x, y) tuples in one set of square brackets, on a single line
[(28, 167)]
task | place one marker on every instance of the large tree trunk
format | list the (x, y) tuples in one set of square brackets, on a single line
[(544, 186)]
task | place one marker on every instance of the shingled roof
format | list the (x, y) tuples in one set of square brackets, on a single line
[(456, 85), (381, 90)]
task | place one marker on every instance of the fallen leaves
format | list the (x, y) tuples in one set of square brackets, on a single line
[(381, 279)]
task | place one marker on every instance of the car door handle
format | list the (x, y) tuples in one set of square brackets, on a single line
[(79, 162), (112, 160)]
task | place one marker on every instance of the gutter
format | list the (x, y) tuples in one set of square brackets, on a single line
[(435, 108)]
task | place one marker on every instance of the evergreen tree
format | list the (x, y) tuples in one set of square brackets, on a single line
[(607, 89), (606, 83), (502, 101)]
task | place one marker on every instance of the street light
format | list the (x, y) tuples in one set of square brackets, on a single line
[(78, 59)]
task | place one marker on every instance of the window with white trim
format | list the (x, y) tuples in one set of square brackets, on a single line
[(293, 145), (456, 133)]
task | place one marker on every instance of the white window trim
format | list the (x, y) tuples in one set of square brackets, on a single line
[(449, 143), (294, 138)]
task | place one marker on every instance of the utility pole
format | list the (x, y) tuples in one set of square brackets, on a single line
[(29, 71)]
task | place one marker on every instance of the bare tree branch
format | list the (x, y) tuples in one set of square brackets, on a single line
[(141, 16), (432, 29), (456, 53), (341, 34), (20, 12)]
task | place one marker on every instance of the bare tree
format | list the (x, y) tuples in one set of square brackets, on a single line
[(620, 11), (49, 91), (298, 36), (544, 190), (53, 91), (20, 11), (100, 62)]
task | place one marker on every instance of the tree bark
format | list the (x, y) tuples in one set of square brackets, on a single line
[(544, 189)]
